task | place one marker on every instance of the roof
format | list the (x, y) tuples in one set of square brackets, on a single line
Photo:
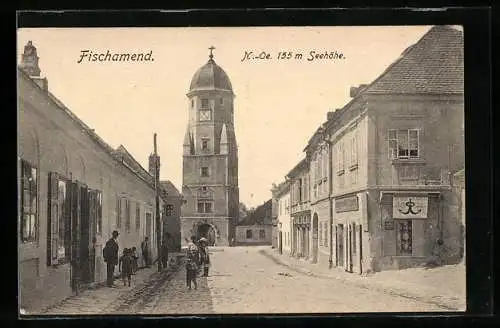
[(90, 132), (281, 189), (210, 77), (434, 64), (169, 187), (297, 168), (261, 215)]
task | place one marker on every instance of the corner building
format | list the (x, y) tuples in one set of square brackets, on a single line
[(210, 158)]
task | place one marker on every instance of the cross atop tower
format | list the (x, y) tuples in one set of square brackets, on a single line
[(211, 54)]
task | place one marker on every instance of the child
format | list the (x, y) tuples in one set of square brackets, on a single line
[(192, 265), (126, 265), (135, 261)]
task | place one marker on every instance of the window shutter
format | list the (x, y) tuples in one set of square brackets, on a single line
[(53, 224)]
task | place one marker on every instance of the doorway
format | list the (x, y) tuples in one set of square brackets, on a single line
[(315, 238), (280, 242), (80, 235), (207, 231), (340, 245)]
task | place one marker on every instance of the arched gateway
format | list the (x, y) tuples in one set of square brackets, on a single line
[(207, 231)]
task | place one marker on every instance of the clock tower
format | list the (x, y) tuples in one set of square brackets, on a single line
[(210, 158)]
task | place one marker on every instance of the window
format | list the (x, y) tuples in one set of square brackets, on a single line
[(192, 103), (262, 234), (300, 190), (340, 158), (222, 101), (249, 234), (354, 177), (204, 207), (29, 200), (127, 215), (204, 144), (404, 237), (59, 217), (204, 103), (137, 216), (169, 210), (99, 213), (204, 171), (325, 231), (118, 212), (403, 143), (354, 151)]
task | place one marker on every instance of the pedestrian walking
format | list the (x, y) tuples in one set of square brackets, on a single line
[(204, 256), (126, 266), (146, 254), (164, 253), (110, 255), (135, 259), (192, 264)]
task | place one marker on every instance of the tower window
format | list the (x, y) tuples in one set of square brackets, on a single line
[(204, 171), (192, 103), (204, 103), (222, 101), (204, 144), (204, 207)]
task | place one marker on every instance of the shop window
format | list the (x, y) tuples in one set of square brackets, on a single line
[(404, 237), (29, 202), (262, 234), (249, 234), (59, 220)]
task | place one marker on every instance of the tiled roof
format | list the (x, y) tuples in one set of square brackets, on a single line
[(434, 65), (169, 187)]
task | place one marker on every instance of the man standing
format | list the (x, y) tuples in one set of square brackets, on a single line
[(110, 255), (146, 252)]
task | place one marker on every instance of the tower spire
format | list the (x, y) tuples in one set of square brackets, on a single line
[(211, 56)]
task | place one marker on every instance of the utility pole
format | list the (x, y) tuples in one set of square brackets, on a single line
[(157, 196)]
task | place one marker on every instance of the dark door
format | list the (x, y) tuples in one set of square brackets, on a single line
[(280, 241), (75, 234), (350, 242), (340, 245), (91, 202)]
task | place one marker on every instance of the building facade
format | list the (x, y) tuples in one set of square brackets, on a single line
[(172, 200), (74, 190), (281, 197), (300, 210), (210, 160), (257, 228), (380, 167)]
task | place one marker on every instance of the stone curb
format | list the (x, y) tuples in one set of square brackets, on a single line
[(441, 301)]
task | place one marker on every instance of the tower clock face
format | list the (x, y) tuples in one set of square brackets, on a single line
[(205, 115)]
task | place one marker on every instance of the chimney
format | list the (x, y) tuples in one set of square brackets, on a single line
[(29, 64), (354, 91), (151, 167)]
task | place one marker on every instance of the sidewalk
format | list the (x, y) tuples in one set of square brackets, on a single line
[(98, 299), (443, 286)]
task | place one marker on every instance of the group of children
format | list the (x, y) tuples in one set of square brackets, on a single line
[(128, 264), (197, 258)]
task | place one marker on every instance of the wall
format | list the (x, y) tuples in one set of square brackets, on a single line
[(241, 235), (322, 210), (52, 141), (284, 220), (441, 142)]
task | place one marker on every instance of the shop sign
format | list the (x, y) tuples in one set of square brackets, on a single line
[(410, 207), (346, 204)]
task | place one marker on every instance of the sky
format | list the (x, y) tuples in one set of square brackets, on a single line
[(278, 105)]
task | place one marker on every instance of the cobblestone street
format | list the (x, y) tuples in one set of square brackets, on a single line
[(242, 280)]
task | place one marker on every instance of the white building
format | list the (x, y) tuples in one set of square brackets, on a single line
[(281, 197)]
